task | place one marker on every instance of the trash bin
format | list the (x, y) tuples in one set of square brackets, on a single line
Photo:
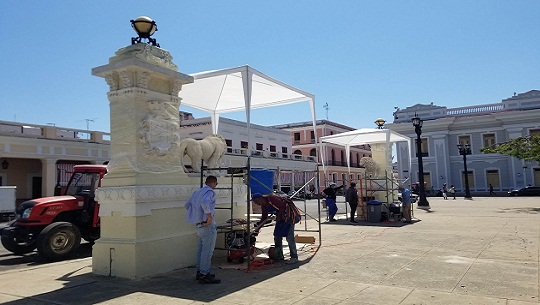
[(374, 211)]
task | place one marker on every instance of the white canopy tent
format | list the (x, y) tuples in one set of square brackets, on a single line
[(365, 136), (239, 89)]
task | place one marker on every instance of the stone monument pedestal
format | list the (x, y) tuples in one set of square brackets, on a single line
[(142, 215)]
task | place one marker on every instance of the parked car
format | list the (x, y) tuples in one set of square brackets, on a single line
[(300, 195), (526, 191)]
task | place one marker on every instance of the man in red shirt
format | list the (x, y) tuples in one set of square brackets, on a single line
[(286, 216)]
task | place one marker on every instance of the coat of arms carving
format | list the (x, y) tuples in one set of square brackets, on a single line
[(159, 129)]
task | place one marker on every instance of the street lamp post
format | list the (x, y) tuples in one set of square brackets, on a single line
[(465, 150), (380, 123), (422, 200)]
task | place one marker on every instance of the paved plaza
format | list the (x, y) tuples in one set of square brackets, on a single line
[(484, 251)]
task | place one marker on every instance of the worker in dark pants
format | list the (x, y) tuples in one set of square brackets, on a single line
[(351, 196)]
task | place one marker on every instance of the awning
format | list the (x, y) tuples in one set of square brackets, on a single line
[(239, 89), (364, 136)]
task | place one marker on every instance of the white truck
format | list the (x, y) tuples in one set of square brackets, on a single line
[(7, 202)]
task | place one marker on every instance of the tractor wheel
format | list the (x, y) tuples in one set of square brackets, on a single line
[(13, 244), (18, 247), (58, 240)]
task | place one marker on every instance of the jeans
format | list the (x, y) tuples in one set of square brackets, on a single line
[(332, 207), (278, 241), (205, 249)]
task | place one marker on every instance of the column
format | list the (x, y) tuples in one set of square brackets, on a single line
[(143, 231), (48, 181)]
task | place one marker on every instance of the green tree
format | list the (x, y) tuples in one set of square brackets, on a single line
[(522, 148)]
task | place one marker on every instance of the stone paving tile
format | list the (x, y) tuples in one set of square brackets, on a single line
[(147, 299), (378, 294), (340, 289), (262, 294), (434, 273), (504, 279), (418, 297), (512, 246)]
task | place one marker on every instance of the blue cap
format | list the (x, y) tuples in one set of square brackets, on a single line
[(255, 196)]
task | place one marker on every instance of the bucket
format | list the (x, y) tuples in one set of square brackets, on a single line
[(261, 181)]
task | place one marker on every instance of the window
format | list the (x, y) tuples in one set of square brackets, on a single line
[(427, 181), (272, 148), (259, 146), (488, 139), (534, 132), (243, 144), (463, 140), (313, 152), (470, 177), (536, 177), (312, 136), (229, 145), (296, 137), (284, 150), (343, 178), (297, 152), (492, 177), (424, 146)]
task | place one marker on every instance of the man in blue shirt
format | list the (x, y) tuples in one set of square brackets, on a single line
[(200, 212), (406, 203)]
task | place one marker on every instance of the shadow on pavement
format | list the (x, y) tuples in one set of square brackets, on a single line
[(34, 259), (179, 284)]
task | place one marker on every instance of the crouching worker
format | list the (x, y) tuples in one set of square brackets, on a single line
[(201, 207), (287, 215)]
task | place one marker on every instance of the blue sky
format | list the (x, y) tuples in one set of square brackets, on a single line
[(363, 58)]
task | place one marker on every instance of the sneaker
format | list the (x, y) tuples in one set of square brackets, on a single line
[(207, 279), (353, 221), (293, 260), (333, 219), (200, 275)]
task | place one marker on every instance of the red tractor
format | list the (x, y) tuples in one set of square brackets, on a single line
[(55, 225)]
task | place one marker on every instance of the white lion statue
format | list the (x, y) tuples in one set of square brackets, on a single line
[(210, 149), (370, 165)]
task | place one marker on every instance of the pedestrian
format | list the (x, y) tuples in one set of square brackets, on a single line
[(491, 192), (330, 193), (444, 191), (351, 196), (405, 203), (453, 191), (287, 215), (200, 212)]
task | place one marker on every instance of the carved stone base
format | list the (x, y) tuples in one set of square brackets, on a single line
[(144, 231)]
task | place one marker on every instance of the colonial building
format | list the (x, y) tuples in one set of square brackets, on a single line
[(37, 158), (479, 126), (304, 143)]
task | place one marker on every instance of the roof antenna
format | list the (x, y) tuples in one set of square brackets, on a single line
[(88, 127)]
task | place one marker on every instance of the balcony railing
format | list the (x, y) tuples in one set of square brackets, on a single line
[(267, 154), (52, 132)]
